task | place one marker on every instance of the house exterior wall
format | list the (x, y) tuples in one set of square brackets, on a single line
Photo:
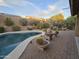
[(74, 6)]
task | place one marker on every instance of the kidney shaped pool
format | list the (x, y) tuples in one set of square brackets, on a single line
[(9, 41)]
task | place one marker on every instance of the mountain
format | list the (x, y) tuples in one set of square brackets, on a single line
[(14, 18), (30, 18)]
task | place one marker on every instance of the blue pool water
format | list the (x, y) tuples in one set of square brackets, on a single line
[(9, 41)]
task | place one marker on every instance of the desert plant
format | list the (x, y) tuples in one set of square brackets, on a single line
[(40, 40), (8, 22), (2, 29), (70, 22), (16, 28), (23, 22), (43, 25), (29, 28)]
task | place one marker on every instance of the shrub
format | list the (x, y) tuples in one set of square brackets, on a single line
[(2, 29), (23, 22), (70, 22), (34, 22), (8, 22), (16, 28), (40, 40), (43, 25), (29, 27)]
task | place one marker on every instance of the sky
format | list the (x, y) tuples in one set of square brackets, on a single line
[(37, 8)]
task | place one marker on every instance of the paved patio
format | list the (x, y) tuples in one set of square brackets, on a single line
[(62, 47)]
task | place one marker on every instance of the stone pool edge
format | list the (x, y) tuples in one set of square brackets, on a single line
[(21, 32), (17, 52)]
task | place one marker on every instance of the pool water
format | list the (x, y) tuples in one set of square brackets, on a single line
[(9, 41)]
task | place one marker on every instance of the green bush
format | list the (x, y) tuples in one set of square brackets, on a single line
[(23, 22), (2, 29), (8, 22), (34, 23), (43, 25), (29, 28), (16, 28), (40, 40), (69, 23)]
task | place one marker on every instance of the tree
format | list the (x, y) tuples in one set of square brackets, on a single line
[(70, 22), (23, 22), (56, 20), (8, 22), (50, 21)]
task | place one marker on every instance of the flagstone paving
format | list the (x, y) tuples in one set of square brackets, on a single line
[(62, 47)]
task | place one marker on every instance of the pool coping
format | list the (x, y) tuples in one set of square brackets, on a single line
[(17, 52), (21, 32)]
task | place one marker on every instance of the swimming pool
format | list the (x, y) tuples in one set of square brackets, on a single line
[(9, 41)]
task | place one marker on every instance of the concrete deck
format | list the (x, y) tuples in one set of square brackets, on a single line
[(62, 47), (77, 43)]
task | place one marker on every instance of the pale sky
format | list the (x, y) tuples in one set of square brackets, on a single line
[(38, 8)]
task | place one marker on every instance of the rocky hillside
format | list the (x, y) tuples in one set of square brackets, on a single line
[(14, 18)]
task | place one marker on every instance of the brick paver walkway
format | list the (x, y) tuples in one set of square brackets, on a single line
[(62, 47)]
